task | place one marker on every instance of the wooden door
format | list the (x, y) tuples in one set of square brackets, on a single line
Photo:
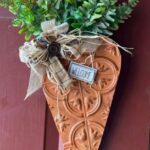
[(27, 125)]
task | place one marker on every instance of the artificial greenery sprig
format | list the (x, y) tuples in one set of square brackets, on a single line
[(96, 16)]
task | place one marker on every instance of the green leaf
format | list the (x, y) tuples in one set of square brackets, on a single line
[(76, 25), (28, 36), (100, 16), (71, 1), (95, 16), (87, 5), (22, 30), (16, 22), (78, 15)]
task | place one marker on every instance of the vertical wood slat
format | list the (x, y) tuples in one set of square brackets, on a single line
[(128, 126), (22, 123), (51, 134)]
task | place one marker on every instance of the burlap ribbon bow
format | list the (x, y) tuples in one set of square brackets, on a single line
[(43, 56), (39, 60)]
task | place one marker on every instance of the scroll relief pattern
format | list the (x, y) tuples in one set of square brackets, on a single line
[(85, 108)]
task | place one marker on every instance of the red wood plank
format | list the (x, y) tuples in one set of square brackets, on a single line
[(128, 126), (22, 123), (5, 14), (51, 135)]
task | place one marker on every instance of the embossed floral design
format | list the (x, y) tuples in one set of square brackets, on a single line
[(77, 103), (86, 107), (106, 77), (51, 90), (81, 139), (87, 100), (87, 137), (61, 121)]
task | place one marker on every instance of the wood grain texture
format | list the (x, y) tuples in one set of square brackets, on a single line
[(22, 123), (129, 122), (51, 134)]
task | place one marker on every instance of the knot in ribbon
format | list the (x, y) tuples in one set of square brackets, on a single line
[(42, 55)]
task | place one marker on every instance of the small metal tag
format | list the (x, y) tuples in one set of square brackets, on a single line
[(82, 72)]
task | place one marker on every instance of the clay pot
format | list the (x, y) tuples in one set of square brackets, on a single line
[(84, 109)]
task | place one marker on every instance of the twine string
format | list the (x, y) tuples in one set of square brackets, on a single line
[(37, 58), (58, 109), (92, 61)]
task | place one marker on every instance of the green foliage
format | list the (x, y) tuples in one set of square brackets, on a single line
[(29, 14), (98, 16), (101, 16)]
